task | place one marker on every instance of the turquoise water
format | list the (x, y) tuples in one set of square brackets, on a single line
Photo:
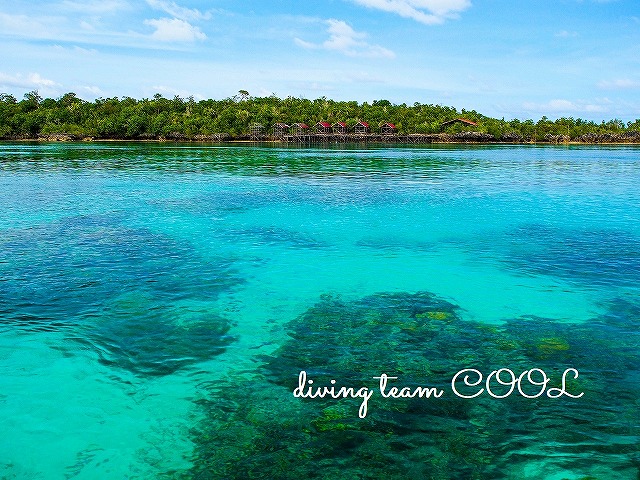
[(157, 303)]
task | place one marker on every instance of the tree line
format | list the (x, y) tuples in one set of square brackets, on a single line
[(185, 118)]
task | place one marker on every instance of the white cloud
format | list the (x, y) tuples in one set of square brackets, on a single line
[(87, 26), (177, 11), (619, 84), (75, 50), (174, 30), (561, 106), (92, 90), (303, 44), (344, 39), (38, 80), (60, 31), (30, 81), (177, 28), (429, 12), (22, 25)]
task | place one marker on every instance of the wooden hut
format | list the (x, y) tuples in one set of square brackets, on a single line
[(388, 128), (256, 131), (362, 127), (299, 128), (464, 121), (339, 127), (280, 129), (322, 127)]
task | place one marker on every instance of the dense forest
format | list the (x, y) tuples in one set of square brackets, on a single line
[(69, 117)]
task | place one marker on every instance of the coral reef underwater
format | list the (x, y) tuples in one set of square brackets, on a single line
[(253, 427)]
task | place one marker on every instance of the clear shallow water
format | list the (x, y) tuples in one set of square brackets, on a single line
[(158, 301)]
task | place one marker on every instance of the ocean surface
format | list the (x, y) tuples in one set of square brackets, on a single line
[(159, 301)]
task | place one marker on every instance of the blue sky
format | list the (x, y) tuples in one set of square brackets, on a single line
[(504, 58)]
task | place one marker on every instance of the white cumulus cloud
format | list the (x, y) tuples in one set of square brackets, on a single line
[(30, 81), (174, 30), (429, 12), (344, 39), (176, 11)]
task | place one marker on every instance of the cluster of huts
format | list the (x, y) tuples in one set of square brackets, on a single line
[(281, 129)]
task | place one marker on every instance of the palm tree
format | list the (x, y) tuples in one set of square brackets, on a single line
[(243, 95)]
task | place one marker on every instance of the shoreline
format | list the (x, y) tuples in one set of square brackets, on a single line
[(469, 138)]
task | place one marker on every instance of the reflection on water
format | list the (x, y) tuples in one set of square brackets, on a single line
[(157, 302)]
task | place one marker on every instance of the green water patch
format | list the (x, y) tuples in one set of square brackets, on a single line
[(254, 426), (53, 274)]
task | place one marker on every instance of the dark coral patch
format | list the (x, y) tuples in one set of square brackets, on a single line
[(55, 273), (143, 336), (423, 340)]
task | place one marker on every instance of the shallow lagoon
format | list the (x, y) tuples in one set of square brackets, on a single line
[(157, 302)]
